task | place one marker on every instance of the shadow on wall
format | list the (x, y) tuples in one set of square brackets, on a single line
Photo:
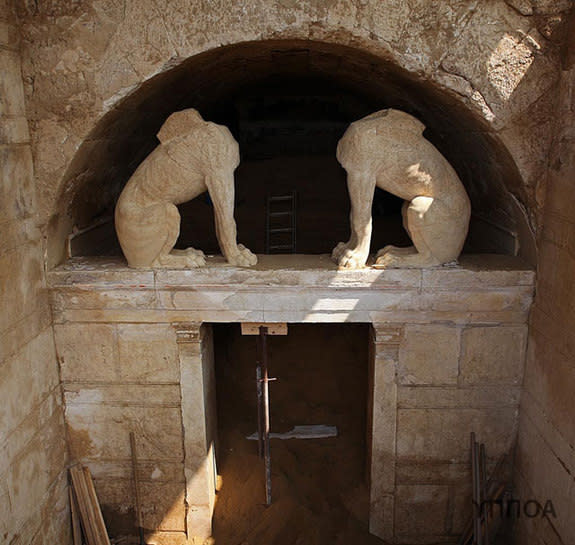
[(287, 103)]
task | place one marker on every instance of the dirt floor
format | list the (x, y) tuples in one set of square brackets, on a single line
[(319, 491)]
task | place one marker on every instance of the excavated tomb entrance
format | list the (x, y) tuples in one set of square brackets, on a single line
[(319, 489)]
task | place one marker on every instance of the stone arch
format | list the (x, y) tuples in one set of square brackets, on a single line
[(462, 129)]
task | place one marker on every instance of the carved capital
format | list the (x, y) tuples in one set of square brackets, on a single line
[(188, 332), (388, 334)]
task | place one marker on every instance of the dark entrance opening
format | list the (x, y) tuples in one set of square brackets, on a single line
[(320, 493)]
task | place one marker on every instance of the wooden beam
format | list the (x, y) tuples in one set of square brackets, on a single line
[(88, 506), (273, 328), (76, 529)]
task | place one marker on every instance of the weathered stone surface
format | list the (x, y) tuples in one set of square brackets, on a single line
[(440, 473), (40, 417), (382, 403), (101, 431), (88, 362), (167, 538), (297, 292), (14, 130), (462, 507), (12, 103), (429, 355), (148, 470), (24, 331), (452, 397), (479, 301), (197, 368), (16, 182), (546, 473), (31, 370), (382, 517), (443, 434), (9, 36), (302, 293), (33, 470), (80, 74), (20, 285), (96, 298), (49, 520), (33, 452), (493, 355), (162, 503), (533, 416), (479, 272), (501, 57), (18, 233), (128, 393), (421, 507), (148, 353)]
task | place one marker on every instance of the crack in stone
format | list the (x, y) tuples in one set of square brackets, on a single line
[(474, 94), (166, 29), (516, 9), (466, 20)]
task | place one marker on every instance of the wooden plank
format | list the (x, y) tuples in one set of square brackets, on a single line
[(76, 529), (79, 484), (88, 506), (97, 518), (273, 328)]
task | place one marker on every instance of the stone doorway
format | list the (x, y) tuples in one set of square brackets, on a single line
[(320, 490)]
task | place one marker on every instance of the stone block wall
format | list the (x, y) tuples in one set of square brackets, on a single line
[(447, 359), (546, 448), (434, 385), (33, 455), (117, 379), (156, 380)]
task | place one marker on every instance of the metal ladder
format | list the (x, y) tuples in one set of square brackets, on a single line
[(281, 223)]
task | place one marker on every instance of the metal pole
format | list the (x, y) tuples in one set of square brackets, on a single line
[(483, 468), (137, 487), (260, 406), (478, 507), (265, 380)]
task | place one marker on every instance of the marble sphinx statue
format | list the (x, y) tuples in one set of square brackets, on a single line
[(387, 149), (193, 156)]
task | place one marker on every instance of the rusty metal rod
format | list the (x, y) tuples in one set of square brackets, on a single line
[(478, 534), (485, 513), (260, 408), (138, 504), (266, 404)]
